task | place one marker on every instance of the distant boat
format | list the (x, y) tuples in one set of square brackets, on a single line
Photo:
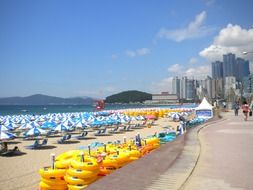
[(24, 110), (44, 108)]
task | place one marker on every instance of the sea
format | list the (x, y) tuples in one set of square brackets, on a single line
[(42, 110)]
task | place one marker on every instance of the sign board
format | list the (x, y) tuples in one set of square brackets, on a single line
[(204, 113)]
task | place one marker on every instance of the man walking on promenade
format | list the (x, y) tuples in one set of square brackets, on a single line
[(236, 108)]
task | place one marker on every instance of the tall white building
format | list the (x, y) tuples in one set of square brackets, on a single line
[(229, 86), (183, 88), (176, 86)]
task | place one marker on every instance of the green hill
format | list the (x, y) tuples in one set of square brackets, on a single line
[(128, 96)]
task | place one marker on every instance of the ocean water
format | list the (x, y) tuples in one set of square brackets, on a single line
[(26, 109)]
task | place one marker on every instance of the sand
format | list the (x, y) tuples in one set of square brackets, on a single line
[(21, 172)]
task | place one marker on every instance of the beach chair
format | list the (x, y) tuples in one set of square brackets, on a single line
[(137, 126), (35, 145), (68, 136), (115, 130), (102, 132), (51, 133), (127, 128), (62, 140), (82, 136), (44, 142), (123, 129)]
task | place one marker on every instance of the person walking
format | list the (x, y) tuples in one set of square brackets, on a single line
[(245, 110), (236, 108)]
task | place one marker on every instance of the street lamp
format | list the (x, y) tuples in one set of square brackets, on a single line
[(246, 52)]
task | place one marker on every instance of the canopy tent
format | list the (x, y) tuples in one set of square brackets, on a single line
[(204, 110)]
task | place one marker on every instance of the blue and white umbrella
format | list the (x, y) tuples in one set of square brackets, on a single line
[(68, 123), (12, 126), (34, 124), (175, 116), (61, 128), (96, 122), (48, 125), (3, 128), (6, 135), (35, 132), (81, 125), (25, 126)]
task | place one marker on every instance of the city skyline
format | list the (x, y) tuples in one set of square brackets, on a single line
[(94, 48)]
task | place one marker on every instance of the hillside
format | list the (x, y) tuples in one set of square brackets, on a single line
[(128, 96), (40, 99)]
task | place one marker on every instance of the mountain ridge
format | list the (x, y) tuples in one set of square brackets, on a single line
[(41, 99)]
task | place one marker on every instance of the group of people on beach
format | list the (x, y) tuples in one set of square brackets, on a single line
[(246, 109)]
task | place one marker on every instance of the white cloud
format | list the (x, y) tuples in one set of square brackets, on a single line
[(209, 2), (130, 53), (114, 56), (142, 51), (193, 60), (232, 39), (195, 29), (198, 72), (175, 69), (165, 85), (138, 52)]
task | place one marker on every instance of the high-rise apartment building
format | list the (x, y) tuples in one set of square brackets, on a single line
[(176, 86), (217, 70), (229, 65), (183, 88), (190, 89), (242, 69), (248, 84)]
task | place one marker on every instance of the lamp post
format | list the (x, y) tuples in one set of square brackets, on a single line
[(245, 53)]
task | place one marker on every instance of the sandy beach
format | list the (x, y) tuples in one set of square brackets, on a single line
[(21, 172)]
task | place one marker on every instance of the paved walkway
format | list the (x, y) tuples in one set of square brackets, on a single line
[(215, 156), (140, 173), (226, 158)]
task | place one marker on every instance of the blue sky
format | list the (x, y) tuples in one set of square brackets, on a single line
[(98, 48)]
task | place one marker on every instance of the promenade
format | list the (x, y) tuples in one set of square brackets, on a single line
[(215, 156), (226, 156)]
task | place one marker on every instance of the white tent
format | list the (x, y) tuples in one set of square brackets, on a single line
[(204, 110)]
